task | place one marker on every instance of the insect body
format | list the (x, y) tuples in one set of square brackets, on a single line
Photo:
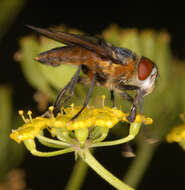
[(115, 68)]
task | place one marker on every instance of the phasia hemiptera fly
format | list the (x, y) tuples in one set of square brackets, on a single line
[(115, 68)]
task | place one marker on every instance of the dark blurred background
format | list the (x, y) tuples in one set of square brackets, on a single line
[(167, 167)]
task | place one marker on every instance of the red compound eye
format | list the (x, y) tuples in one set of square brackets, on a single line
[(144, 68)]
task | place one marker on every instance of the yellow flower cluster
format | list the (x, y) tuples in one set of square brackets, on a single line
[(90, 117), (177, 134)]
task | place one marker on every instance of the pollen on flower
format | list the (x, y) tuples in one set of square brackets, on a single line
[(177, 134), (51, 108), (21, 113), (143, 119), (139, 119), (90, 117), (29, 114), (30, 129)]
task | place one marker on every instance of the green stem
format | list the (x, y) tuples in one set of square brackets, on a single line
[(104, 173), (51, 145), (53, 153), (140, 163), (133, 131), (51, 141), (77, 176), (112, 143)]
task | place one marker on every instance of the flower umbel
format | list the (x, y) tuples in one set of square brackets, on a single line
[(87, 131), (91, 118), (177, 134)]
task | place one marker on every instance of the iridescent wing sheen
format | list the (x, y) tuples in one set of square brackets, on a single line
[(94, 44)]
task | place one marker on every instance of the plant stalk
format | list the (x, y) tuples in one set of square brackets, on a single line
[(77, 176), (104, 173)]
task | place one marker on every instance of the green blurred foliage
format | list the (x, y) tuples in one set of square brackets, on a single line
[(11, 153), (9, 9)]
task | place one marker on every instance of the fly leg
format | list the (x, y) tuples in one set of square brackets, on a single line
[(87, 97), (69, 87), (56, 104), (72, 86), (112, 98), (127, 97), (137, 100), (131, 117), (140, 100)]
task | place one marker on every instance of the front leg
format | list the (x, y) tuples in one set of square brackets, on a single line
[(137, 100), (131, 117), (127, 97), (112, 98)]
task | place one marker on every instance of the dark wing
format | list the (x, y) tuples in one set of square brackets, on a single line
[(97, 45)]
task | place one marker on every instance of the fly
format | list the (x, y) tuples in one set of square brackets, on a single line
[(115, 68)]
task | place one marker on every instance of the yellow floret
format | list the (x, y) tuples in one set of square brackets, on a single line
[(90, 117), (27, 131), (177, 134)]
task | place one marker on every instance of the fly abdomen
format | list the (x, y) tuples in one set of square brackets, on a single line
[(60, 55)]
